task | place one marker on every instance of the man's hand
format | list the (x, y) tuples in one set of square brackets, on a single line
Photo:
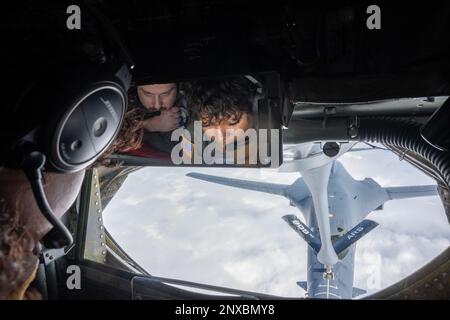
[(168, 120)]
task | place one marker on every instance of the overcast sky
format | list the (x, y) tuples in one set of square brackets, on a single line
[(179, 227)]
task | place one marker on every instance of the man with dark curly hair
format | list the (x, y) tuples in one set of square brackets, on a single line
[(225, 109)]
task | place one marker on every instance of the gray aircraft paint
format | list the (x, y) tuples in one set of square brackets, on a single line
[(349, 203)]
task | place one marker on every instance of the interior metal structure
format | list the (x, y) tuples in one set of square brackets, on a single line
[(332, 71)]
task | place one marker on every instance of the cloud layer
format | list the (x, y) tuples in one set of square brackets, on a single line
[(179, 227)]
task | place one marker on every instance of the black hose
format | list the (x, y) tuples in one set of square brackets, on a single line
[(404, 134), (34, 163)]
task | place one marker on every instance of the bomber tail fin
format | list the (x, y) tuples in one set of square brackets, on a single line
[(340, 244), (303, 231), (354, 235)]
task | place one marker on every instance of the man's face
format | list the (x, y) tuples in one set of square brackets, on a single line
[(224, 129), (61, 191), (19, 207), (157, 96)]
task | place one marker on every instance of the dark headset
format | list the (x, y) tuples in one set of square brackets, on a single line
[(69, 115), (72, 110)]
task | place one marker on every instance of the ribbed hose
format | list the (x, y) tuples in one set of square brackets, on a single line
[(404, 134)]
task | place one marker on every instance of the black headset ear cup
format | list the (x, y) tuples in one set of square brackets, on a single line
[(85, 127), (71, 115)]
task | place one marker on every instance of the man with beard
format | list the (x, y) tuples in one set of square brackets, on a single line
[(162, 115)]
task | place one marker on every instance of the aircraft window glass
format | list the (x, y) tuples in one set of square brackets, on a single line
[(175, 226)]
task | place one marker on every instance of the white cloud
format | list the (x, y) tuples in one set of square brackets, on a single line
[(179, 227)]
